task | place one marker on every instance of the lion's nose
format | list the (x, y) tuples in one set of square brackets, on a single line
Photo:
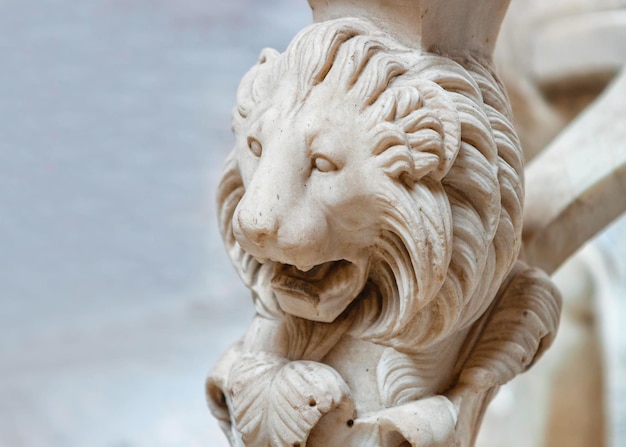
[(255, 227)]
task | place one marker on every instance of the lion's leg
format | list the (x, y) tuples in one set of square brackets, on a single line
[(520, 328)]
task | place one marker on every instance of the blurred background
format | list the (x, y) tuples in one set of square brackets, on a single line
[(117, 296)]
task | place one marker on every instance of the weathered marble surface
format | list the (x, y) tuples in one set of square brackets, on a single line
[(372, 204)]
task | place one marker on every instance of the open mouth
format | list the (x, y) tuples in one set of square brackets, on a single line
[(319, 294)]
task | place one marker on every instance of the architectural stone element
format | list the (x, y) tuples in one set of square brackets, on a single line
[(572, 195), (373, 205), (556, 60)]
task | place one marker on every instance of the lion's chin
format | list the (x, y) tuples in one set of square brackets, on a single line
[(321, 293)]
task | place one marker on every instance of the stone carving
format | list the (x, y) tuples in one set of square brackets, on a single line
[(373, 206)]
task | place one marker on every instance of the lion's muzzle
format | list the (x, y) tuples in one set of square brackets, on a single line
[(320, 294)]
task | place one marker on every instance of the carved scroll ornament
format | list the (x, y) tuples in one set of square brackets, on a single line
[(373, 206)]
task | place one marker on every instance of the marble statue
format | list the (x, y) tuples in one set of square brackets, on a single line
[(373, 205)]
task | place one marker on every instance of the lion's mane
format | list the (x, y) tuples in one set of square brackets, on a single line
[(450, 237)]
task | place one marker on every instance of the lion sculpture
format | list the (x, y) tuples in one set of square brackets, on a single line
[(373, 206)]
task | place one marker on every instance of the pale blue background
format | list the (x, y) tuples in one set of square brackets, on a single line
[(116, 293)]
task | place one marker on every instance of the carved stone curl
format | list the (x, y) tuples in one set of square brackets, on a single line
[(373, 206)]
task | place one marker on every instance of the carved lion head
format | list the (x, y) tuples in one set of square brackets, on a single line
[(368, 172)]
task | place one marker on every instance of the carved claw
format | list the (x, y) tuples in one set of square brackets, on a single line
[(216, 386), (428, 422)]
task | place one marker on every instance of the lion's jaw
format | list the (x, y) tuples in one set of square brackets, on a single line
[(320, 294)]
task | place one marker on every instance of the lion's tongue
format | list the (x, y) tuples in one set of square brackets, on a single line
[(321, 293)]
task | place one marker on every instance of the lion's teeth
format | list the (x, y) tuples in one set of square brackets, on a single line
[(304, 268)]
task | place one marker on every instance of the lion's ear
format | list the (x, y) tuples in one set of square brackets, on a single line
[(267, 55), (430, 127), (254, 84)]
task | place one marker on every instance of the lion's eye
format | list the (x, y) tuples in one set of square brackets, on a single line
[(254, 146), (323, 164)]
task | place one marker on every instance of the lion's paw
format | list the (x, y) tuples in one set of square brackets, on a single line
[(277, 402)]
